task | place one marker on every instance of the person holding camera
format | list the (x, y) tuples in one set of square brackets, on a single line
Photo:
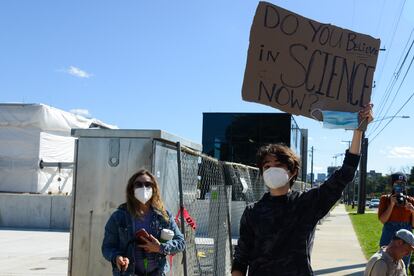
[(141, 232), (396, 210)]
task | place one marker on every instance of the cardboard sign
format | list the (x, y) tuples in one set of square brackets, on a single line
[(301, 66)]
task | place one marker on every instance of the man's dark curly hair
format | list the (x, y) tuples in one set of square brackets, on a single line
[(284, 155)]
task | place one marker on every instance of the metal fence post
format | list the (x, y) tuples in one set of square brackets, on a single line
[(217, 230), (228, 186), (180, 187)]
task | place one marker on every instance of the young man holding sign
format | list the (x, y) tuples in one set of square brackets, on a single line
[(275, 232)]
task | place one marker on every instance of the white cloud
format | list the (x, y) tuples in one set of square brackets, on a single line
[(401, 152), (310, 138), (81, 112), (77, 72)]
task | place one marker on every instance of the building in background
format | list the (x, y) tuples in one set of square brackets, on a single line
[(310, 176), (321, 177), (374, 175), (236, 137), (36, 134)]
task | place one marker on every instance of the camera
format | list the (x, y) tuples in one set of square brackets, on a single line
[(401, 199), (400, 194)]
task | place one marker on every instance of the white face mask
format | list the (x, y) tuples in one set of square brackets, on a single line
[(143, 194), (275, 177)]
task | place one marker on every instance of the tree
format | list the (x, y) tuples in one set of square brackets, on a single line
[(378, 185), (411, 177)]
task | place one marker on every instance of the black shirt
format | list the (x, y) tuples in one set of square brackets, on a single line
[(275, 232)]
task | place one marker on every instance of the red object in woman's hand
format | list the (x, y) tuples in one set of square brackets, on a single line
[(140, 234)]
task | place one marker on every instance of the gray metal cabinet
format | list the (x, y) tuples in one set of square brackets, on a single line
[(104, 161)]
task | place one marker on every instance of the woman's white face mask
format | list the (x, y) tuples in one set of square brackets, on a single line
[(275, 177), (143, 194)]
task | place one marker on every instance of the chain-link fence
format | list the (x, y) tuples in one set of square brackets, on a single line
[(213, 196)]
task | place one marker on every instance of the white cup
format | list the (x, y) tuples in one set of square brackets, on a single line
[(166, 235)]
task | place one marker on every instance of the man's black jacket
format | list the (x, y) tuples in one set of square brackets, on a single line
[(275, 232)]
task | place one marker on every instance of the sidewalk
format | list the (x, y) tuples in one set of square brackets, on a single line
[(336, 249), (31, 252)]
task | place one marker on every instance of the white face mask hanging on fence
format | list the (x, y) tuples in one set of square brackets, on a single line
[(143, 194), (275, 177)]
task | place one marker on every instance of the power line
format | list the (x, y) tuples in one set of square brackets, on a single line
[(398, 111), (399, 87), (392, 83), (380, 17), (393, 117), (395, 75), (398, 90), (392, 40)]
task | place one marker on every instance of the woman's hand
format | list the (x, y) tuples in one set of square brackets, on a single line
[(409, 206), (122, 263), (152, 245)]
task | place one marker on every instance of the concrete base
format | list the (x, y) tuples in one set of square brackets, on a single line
[(35, 211)]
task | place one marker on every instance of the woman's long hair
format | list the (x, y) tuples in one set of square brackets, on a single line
[(134, 206)]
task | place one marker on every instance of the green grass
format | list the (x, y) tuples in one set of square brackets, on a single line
[(368, 230)]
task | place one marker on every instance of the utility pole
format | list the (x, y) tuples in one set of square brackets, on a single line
[(350, 198), (311, 167), (363, 175)]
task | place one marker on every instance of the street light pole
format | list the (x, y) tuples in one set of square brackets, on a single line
[(350, 198), (363, 167), (363, 175), (312, 167)]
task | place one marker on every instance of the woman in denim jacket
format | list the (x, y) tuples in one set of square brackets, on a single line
[(143, 209)]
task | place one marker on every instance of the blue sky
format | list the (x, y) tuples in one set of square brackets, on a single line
[(161, 64)]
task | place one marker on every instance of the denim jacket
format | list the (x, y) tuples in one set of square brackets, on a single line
[(119, 232)]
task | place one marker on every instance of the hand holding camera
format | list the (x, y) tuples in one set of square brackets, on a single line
[(399, 195), (401, 199), (409, 207)]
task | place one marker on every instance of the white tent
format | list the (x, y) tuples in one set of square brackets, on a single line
[(30, 133)]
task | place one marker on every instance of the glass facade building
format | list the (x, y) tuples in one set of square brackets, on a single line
[(236, 137)]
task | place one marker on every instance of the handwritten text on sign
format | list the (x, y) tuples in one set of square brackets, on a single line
[(298, 65)]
